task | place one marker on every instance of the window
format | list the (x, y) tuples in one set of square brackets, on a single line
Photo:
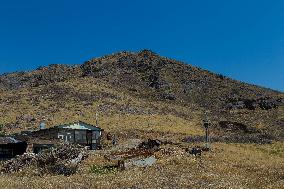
[(80, 136), (60, 136)]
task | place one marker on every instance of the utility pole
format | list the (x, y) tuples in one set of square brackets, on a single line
[(207, 124), (97, 121)]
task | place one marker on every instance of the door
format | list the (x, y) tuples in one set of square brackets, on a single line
[(89, 138), (68, 137)]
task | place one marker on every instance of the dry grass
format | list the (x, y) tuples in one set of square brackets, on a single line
[(227, 166), (155, 123), (55, 111)]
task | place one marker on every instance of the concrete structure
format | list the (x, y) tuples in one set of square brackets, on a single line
[(10, 147)]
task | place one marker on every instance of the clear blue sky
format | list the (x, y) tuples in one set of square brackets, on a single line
[(242, 39)]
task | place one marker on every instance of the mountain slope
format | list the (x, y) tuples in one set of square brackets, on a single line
[(140, 92)]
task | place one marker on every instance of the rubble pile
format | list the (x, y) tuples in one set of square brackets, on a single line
[(17, 164), (61, 160), (172, 151)]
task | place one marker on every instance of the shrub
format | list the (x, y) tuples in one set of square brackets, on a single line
[(103, 169)]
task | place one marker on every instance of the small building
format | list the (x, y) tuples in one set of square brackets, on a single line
[(75, 133), (11, 147)]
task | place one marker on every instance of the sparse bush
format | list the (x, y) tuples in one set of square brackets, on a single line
[(103, 169), (61, 169), (220, 76)]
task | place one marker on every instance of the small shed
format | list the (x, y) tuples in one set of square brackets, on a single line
[(76, 133), (10, 147)]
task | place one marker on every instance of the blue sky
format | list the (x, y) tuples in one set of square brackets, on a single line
[(242, 39)]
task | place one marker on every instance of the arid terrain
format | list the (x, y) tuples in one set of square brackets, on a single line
[(142, 95)]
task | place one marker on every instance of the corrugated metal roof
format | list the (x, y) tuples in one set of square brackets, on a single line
[(8, 140), (80, 126)]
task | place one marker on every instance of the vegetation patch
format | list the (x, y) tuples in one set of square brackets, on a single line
[(97, 169)]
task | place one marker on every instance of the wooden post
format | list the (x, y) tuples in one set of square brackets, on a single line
[(207, 137), (121, 164)]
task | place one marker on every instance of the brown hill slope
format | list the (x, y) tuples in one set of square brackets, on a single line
[(140, 91)]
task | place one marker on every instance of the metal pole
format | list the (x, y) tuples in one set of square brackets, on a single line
[(206, 124), (207, 137)]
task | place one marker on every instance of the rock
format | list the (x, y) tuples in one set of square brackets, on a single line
[(150, 144), (144, 162), (265, 103), (233, 126), (168, 96)]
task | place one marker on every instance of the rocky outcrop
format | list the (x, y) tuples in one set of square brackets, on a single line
[(41, 76), (230, 126), (265, 103)]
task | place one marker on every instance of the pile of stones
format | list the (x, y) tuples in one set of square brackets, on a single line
[(60, 160)]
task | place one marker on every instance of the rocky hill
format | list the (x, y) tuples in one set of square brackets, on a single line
[(127, 86)]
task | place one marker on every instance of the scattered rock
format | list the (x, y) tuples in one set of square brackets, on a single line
[(257, 138), (230, 126), (168, 96), (150, 144), (266, 103)]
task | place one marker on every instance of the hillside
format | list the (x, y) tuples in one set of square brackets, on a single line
[(126, 87)]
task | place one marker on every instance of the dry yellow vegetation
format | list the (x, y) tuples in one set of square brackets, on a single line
[(129, 108), (227, 166)]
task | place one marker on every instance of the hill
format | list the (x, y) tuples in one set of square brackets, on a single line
[(143, 95), (127, 86)]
